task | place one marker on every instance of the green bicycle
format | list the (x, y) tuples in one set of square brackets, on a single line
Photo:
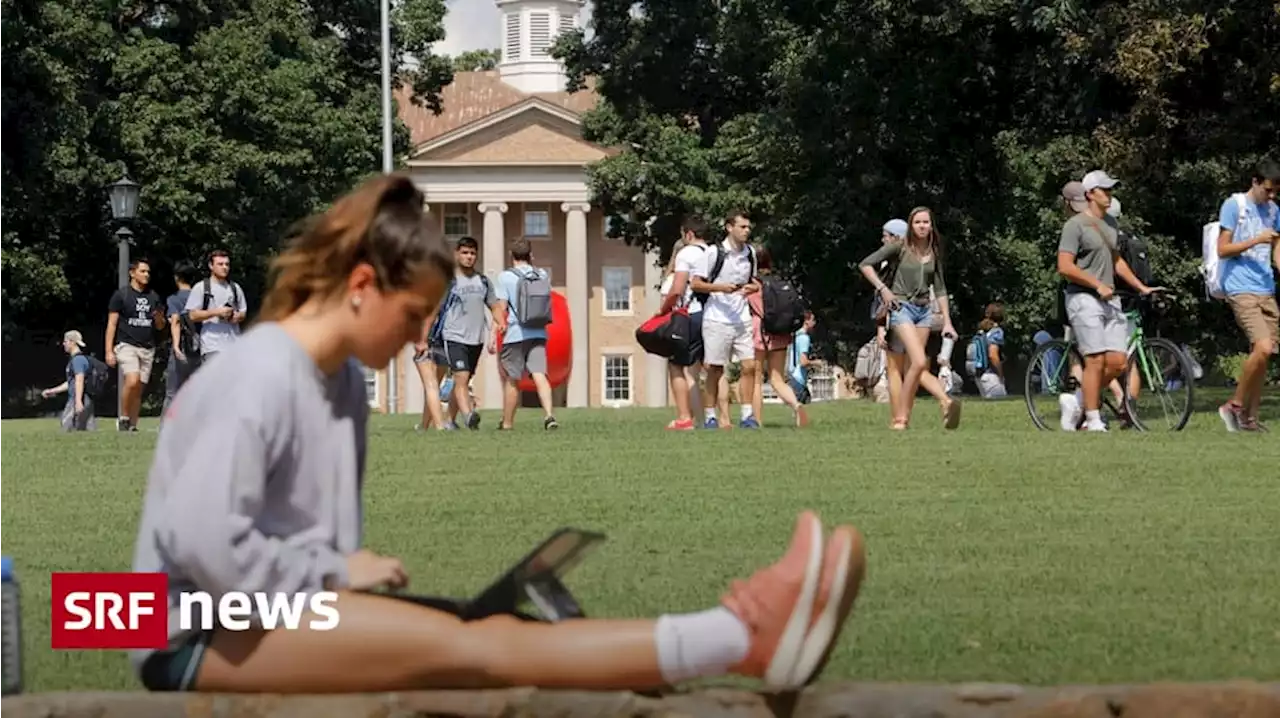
[(1157, 384)]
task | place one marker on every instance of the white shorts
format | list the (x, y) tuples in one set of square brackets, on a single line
[(1099, 327), (725, 343)]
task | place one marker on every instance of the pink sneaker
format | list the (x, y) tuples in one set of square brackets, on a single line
[(776, 604), (844, 565)]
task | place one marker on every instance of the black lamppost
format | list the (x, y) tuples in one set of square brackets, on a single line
[(124, 207)]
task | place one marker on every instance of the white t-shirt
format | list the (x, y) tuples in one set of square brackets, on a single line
[(727, 308), (689, 259)]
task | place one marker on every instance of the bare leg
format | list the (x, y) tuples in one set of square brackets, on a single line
[(895, 367), (132, 397), (1253, 375), (777, 360), (383, 644), (460, 402), (510, 399), (717, 392), (747, 384), (757, 396), (432, 412), (544, 393), (1092, 382), (679, 391)]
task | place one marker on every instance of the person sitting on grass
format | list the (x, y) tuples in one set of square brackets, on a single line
[(267, 498)]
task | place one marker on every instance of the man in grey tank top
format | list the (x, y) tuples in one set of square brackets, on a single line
[(466, 329)]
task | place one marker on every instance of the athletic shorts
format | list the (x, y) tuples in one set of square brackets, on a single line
[(458, 357), (692, 352), (527, 355), (724, 343), (1099, 327), (175, 669)]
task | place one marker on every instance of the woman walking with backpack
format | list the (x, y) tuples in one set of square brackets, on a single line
[(771, 350), (916, 267)]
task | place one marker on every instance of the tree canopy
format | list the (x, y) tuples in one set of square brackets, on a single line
[(238, 117), (829, 117)]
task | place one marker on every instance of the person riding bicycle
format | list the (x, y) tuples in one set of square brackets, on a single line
[(1089, 259)]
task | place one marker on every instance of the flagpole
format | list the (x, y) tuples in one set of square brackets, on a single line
[(388, 165)]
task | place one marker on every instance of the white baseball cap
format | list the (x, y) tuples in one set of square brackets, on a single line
[(1098, 178)]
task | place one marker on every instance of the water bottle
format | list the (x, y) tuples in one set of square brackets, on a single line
[(446, 388), (12, 638)]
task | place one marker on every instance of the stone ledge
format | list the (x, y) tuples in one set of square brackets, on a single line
[(1236, 699)]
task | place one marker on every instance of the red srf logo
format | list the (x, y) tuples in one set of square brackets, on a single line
[(110, 610)]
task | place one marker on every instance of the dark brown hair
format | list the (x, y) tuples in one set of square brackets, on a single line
[(522, 249), (764, 260), (993, 316), (381, 223)]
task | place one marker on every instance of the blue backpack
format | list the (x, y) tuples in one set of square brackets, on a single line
[(979, 351)]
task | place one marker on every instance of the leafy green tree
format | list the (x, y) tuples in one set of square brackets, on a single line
[(476, 60)]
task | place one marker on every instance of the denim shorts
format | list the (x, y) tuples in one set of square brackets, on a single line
[(920, 315)]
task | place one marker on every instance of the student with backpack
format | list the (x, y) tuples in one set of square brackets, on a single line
[(184, 336), (524, 311), (726, 277), (984, 358), (777, 312), (1240, 269), (86, 378), (218, 306)]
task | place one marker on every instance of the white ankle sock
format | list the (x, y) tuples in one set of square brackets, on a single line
[(699, 645), (710, 413), (1093, 416), (746, 411)]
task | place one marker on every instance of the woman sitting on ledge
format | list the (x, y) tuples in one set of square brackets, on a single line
[(255, 486)]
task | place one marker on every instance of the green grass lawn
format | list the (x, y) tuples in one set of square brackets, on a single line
[(995, 552)]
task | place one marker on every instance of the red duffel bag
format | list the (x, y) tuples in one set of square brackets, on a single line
[(665, 335)]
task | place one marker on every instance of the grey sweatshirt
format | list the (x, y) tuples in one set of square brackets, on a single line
[(255, 484)]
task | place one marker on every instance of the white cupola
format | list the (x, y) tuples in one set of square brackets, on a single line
[(529, 29)]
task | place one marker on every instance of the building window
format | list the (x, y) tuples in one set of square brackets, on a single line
[(617, 380), (537, 223), (457, 224), (568, 23), (617, 290), (822, 383)]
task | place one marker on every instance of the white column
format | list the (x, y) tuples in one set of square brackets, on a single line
[(576, 281), (493, 255), (655, 378)]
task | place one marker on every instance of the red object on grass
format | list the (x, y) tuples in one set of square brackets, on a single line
[(559, 346)]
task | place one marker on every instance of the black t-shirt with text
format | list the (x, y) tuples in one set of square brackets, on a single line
[(137, 316)]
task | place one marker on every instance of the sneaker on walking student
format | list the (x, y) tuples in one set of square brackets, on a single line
[(180, 365), (915, 268), (1250, 254), (771, 352), (684, 369), (134, 314), (78, 414), (1089, 259), (726, 277), (524, 288)]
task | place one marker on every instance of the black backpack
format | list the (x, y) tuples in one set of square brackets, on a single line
[(783, 306), (208, 294), (1133, 250), (98, 376), (719, 265)]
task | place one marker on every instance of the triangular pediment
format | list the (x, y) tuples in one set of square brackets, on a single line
[(531, 133)]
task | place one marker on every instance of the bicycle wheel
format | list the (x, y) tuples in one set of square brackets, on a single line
[(1049, 376), (1166, 386)]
